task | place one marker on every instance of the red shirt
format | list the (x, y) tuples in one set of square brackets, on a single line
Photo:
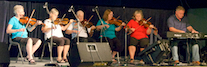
[(140, 31)]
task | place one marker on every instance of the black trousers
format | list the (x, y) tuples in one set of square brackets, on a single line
[(74, 57), (114, 43)]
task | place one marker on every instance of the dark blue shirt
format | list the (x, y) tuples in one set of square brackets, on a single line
[(181, 25)]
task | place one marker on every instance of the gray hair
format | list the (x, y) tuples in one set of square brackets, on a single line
[(137, 12)]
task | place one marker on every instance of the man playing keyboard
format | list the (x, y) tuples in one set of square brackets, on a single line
[(179, 23)]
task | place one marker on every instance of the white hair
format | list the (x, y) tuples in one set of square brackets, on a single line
[(54, 10), (17, 7), (79, 12)]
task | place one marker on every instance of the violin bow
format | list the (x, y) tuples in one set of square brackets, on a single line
[(149, 19), (118, 17), (90, 18), (87, 21), (29, 20), (62, 18)]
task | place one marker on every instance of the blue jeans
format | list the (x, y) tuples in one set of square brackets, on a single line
[(195, 50)]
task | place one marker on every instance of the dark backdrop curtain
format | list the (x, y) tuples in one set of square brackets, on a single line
[(159, 17)]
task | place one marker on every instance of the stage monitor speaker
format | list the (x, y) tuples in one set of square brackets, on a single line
[(4, 57), (156, 52), (91, 52)]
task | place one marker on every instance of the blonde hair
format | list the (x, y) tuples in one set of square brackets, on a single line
[(79, 12), (137, 12), (17, 7), (106, 13), (180, 8), (54, 10)]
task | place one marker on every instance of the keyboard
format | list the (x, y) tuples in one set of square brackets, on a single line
[(187, 35)]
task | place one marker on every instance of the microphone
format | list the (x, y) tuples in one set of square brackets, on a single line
[(94, 8), (45, 6), (71, 7), (123, 7)]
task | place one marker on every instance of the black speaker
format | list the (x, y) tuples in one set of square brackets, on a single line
[(4, 57), (156, 52), (90, 54)]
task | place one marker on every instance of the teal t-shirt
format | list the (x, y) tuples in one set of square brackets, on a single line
[(17, 25), (109, 32)]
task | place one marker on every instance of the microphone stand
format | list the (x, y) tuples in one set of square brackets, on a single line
[(51, 40), (125, 44), (95, 9), (125, 55), (78, 21)]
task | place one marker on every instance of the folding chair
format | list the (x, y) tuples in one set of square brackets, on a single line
[(18, 45)]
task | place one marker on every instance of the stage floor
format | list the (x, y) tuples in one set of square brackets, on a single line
[(122, 63), (39, 63)]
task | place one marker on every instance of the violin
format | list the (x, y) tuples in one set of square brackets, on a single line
[(146, 23), (24, 20), (60, 21), (115, 21), (88, 24)]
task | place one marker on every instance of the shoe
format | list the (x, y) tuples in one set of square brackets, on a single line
[(131, 61), (175, 63), (141, 62), (60, 61), (196, 63), (32, 62), (66, 60), (114, 60), (26, 59)]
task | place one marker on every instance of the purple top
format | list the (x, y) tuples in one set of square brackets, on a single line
[(181, 25)]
